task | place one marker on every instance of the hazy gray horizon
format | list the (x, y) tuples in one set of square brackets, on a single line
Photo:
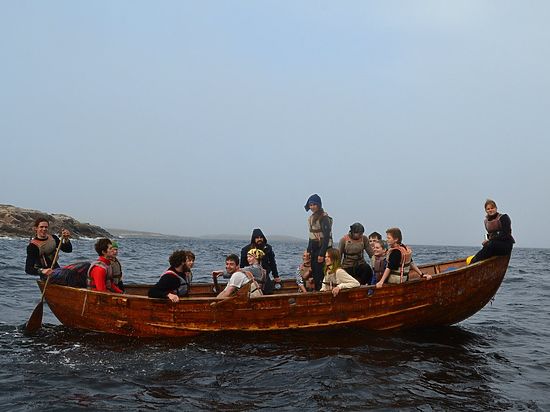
[(199, 118)]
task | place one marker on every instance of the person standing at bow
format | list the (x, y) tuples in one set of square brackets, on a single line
[(41, 249), (320, 237), (499, 240)]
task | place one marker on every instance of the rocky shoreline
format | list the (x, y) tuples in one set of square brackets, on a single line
[(18, 222)]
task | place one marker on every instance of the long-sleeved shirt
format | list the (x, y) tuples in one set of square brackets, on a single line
[(99, 277), (33, 262), (341, 278)]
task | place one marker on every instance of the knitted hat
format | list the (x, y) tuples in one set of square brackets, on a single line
[(315, 199), (114, 243)]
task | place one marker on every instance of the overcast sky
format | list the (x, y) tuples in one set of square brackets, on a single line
[(207, 117)]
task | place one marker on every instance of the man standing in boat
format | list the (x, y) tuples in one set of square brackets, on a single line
[(259, 241), (41, 249)]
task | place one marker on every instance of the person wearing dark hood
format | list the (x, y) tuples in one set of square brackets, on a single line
[(259, 241), (320, 237)]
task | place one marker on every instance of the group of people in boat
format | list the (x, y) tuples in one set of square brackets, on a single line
[(323, 267)]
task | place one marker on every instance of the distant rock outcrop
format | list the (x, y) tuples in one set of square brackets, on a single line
[(18, 222)]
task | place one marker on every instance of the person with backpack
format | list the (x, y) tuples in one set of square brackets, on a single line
[(320, 237), (175, 282), (100, 273)]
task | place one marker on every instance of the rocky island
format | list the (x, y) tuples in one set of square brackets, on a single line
[(18, 222)]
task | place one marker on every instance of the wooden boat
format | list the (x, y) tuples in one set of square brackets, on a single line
[(456, 292)]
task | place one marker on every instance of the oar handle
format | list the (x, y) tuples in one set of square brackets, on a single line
[(53, 264)]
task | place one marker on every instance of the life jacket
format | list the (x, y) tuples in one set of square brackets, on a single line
[(183, 289), (353, 251), (116, 267), (46, 250), (108, 275), (378, 264), (494, 227), (255, 289), (315, 230), (405, 264)]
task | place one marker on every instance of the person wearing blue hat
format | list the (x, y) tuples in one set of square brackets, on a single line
[(320, 237)]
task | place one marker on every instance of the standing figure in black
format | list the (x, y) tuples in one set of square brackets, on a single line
[(259, 241)]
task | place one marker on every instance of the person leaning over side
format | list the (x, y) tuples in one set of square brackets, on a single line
[(259, 241), (336, 278), (399, 260), (237, 280), (42, 247), (320, 237), (100, 273), (175, 282), (352, 247), (499, 240)]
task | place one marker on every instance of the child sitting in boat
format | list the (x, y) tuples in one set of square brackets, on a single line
[(399, 260), (378, 260), (336, 278), (304, 276), (176, 280)]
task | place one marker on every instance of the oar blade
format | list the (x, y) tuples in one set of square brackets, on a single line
[(35, 321)]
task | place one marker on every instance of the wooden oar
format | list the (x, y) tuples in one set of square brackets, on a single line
[(35, 321)]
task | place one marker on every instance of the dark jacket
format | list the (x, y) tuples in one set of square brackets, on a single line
[(33, 262), (268, 261), (170, 283)]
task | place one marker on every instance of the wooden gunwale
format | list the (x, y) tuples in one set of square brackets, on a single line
[(449, 297)]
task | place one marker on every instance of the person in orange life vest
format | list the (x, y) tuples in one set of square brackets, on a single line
[(42, 247), (399, 260), (100, 274), (499, 240), (352, 247), (176, 280), (320, 237)]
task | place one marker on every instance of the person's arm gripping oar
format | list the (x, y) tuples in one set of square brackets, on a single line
[(35, 321)]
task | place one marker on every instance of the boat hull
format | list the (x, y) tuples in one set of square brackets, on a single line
[(449, 297)]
